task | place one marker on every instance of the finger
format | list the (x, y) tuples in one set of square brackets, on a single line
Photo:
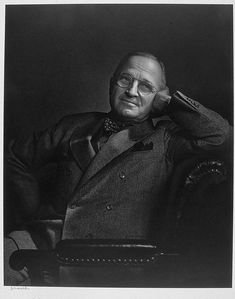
[(163, 96)]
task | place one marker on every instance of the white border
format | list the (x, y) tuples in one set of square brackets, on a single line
[(80, 293)]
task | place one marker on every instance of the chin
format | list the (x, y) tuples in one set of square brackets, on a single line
[(128, 115)]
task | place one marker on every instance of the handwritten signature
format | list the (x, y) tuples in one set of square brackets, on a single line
[(19, 288)]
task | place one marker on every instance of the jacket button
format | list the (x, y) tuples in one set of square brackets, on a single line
[(122, 175), (109, 207), (73, 206)]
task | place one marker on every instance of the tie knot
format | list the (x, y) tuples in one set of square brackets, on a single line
[(113, 126)]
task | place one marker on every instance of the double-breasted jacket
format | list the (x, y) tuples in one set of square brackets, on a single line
[(119, 191)]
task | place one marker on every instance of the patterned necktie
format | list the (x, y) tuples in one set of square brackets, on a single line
[(112, 126)]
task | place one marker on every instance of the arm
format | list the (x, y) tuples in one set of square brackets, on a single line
[(25, 158), (197, 129)]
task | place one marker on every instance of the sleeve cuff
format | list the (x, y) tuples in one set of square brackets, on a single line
[(22, 239)]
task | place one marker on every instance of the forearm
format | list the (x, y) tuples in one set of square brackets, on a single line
[(26, 158), (205, 125), (195, 129), (22, 191)]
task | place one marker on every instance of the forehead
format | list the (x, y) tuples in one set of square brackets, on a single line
[(143, 68)]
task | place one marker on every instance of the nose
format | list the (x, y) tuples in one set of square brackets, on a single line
[(133, 89)]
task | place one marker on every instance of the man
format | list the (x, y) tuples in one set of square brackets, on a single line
[(113, 169)]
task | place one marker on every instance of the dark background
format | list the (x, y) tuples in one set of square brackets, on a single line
[(59, 58)]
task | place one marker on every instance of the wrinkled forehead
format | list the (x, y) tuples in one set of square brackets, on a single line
[(143, 68)]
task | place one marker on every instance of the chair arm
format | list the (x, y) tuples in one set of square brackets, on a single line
[(107, 252), (38, 263), (205, 175), (213, 169), (32, 258), (89, 252), (202, 176), (192, 186)]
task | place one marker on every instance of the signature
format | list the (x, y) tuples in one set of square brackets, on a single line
[(19, 288)]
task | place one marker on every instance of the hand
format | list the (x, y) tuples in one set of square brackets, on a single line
[(160, 102)]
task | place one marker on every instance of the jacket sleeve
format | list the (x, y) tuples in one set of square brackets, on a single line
[(198, 129), (25, 158)]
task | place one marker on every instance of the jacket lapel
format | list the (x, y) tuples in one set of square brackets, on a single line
[(80, 143), (82, 149), (116, 145)]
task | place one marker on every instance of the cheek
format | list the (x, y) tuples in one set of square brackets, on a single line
[(146, 103), (114, 98)]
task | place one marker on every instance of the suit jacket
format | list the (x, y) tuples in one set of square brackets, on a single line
[(120, 191)]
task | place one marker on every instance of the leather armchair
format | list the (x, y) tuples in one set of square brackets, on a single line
[(194, 248)]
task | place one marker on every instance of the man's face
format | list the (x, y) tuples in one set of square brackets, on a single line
[(129, 103)]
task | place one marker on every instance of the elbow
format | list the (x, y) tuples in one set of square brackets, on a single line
[(226, 135)]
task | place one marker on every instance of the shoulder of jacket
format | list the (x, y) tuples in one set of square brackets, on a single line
[(166, 124)]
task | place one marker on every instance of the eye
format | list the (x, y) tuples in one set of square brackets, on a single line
[(124, 80), (145, 87)]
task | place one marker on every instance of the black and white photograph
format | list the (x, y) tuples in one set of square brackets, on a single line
[(118, 145)]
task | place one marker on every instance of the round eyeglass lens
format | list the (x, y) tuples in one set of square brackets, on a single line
[(144, 88)]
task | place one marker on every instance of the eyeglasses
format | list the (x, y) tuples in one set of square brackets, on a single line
[(126, 81)]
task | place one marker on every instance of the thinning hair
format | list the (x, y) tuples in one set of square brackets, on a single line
[(124, 60)]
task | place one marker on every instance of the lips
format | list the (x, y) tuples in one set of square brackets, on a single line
[(130, 101)]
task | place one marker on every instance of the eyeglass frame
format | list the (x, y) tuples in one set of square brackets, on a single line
[(154, 89)]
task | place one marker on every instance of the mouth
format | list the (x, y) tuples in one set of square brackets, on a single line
[(130, 102)]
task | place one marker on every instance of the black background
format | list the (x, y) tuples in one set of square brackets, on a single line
[(59, 58)]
